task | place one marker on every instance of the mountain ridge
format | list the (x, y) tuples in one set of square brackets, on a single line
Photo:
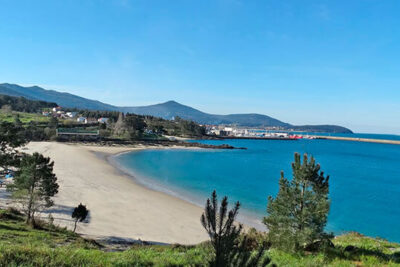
[(166, 110), (170, 109)]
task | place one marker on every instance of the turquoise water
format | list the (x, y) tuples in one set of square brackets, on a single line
[(364, 183)]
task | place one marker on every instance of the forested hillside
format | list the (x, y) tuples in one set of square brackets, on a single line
[(167, 110)]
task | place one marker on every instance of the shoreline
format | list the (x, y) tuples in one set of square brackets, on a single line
[(249, 219), (119, 207)]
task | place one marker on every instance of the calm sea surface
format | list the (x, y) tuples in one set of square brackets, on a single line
[(364, 183)]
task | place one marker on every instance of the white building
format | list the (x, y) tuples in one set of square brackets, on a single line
[(81, 119), (56, 109), (215, 131), (103, 120), (72, 114), (90, 120)]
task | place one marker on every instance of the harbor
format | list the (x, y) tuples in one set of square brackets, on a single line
[(224, 132), (228, 132)]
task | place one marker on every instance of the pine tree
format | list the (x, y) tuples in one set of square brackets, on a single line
[(119, 125), (11, 137), (79, 214), (53, 123), (35, 184), (297, 216), (225, 236), (17, 121), (135, 125), (219, 224)]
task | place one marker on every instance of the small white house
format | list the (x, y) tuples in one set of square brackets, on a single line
[(215, 131), (90, 120), (57, 109), (72, 114), (81, 119), (103, 120)]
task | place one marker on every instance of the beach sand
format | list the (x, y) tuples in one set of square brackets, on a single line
[(118, 206)]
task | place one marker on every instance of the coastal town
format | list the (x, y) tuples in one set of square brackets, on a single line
[(227, 132)]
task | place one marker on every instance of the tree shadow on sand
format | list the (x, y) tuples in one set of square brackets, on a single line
[(59, 209)]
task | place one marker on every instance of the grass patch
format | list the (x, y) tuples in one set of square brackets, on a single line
[(352, 249), (21, 245), (24, 117)]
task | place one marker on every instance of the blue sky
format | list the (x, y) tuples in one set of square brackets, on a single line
[(303, 62)]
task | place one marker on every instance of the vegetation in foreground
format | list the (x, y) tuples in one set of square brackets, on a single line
[(22, 245), (230, 246)]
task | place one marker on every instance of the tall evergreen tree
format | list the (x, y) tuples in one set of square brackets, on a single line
[(219, 224), (35, 184), (119, 125), (135, 125), (225, 236), (53, 123), (11, 137), (297, 216), (17, 121)]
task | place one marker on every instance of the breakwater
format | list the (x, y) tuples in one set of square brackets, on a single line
[(355, 139)]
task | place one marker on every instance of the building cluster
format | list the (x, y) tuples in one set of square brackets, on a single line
[(220, 130), (232, 131), (58, 112)]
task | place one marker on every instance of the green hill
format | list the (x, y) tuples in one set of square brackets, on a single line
[(62, 99), (171, 109), (166, 110)]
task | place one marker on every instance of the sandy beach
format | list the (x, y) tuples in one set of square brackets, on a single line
[(118, 206)]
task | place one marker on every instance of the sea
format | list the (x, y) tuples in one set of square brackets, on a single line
[(364, 178)]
